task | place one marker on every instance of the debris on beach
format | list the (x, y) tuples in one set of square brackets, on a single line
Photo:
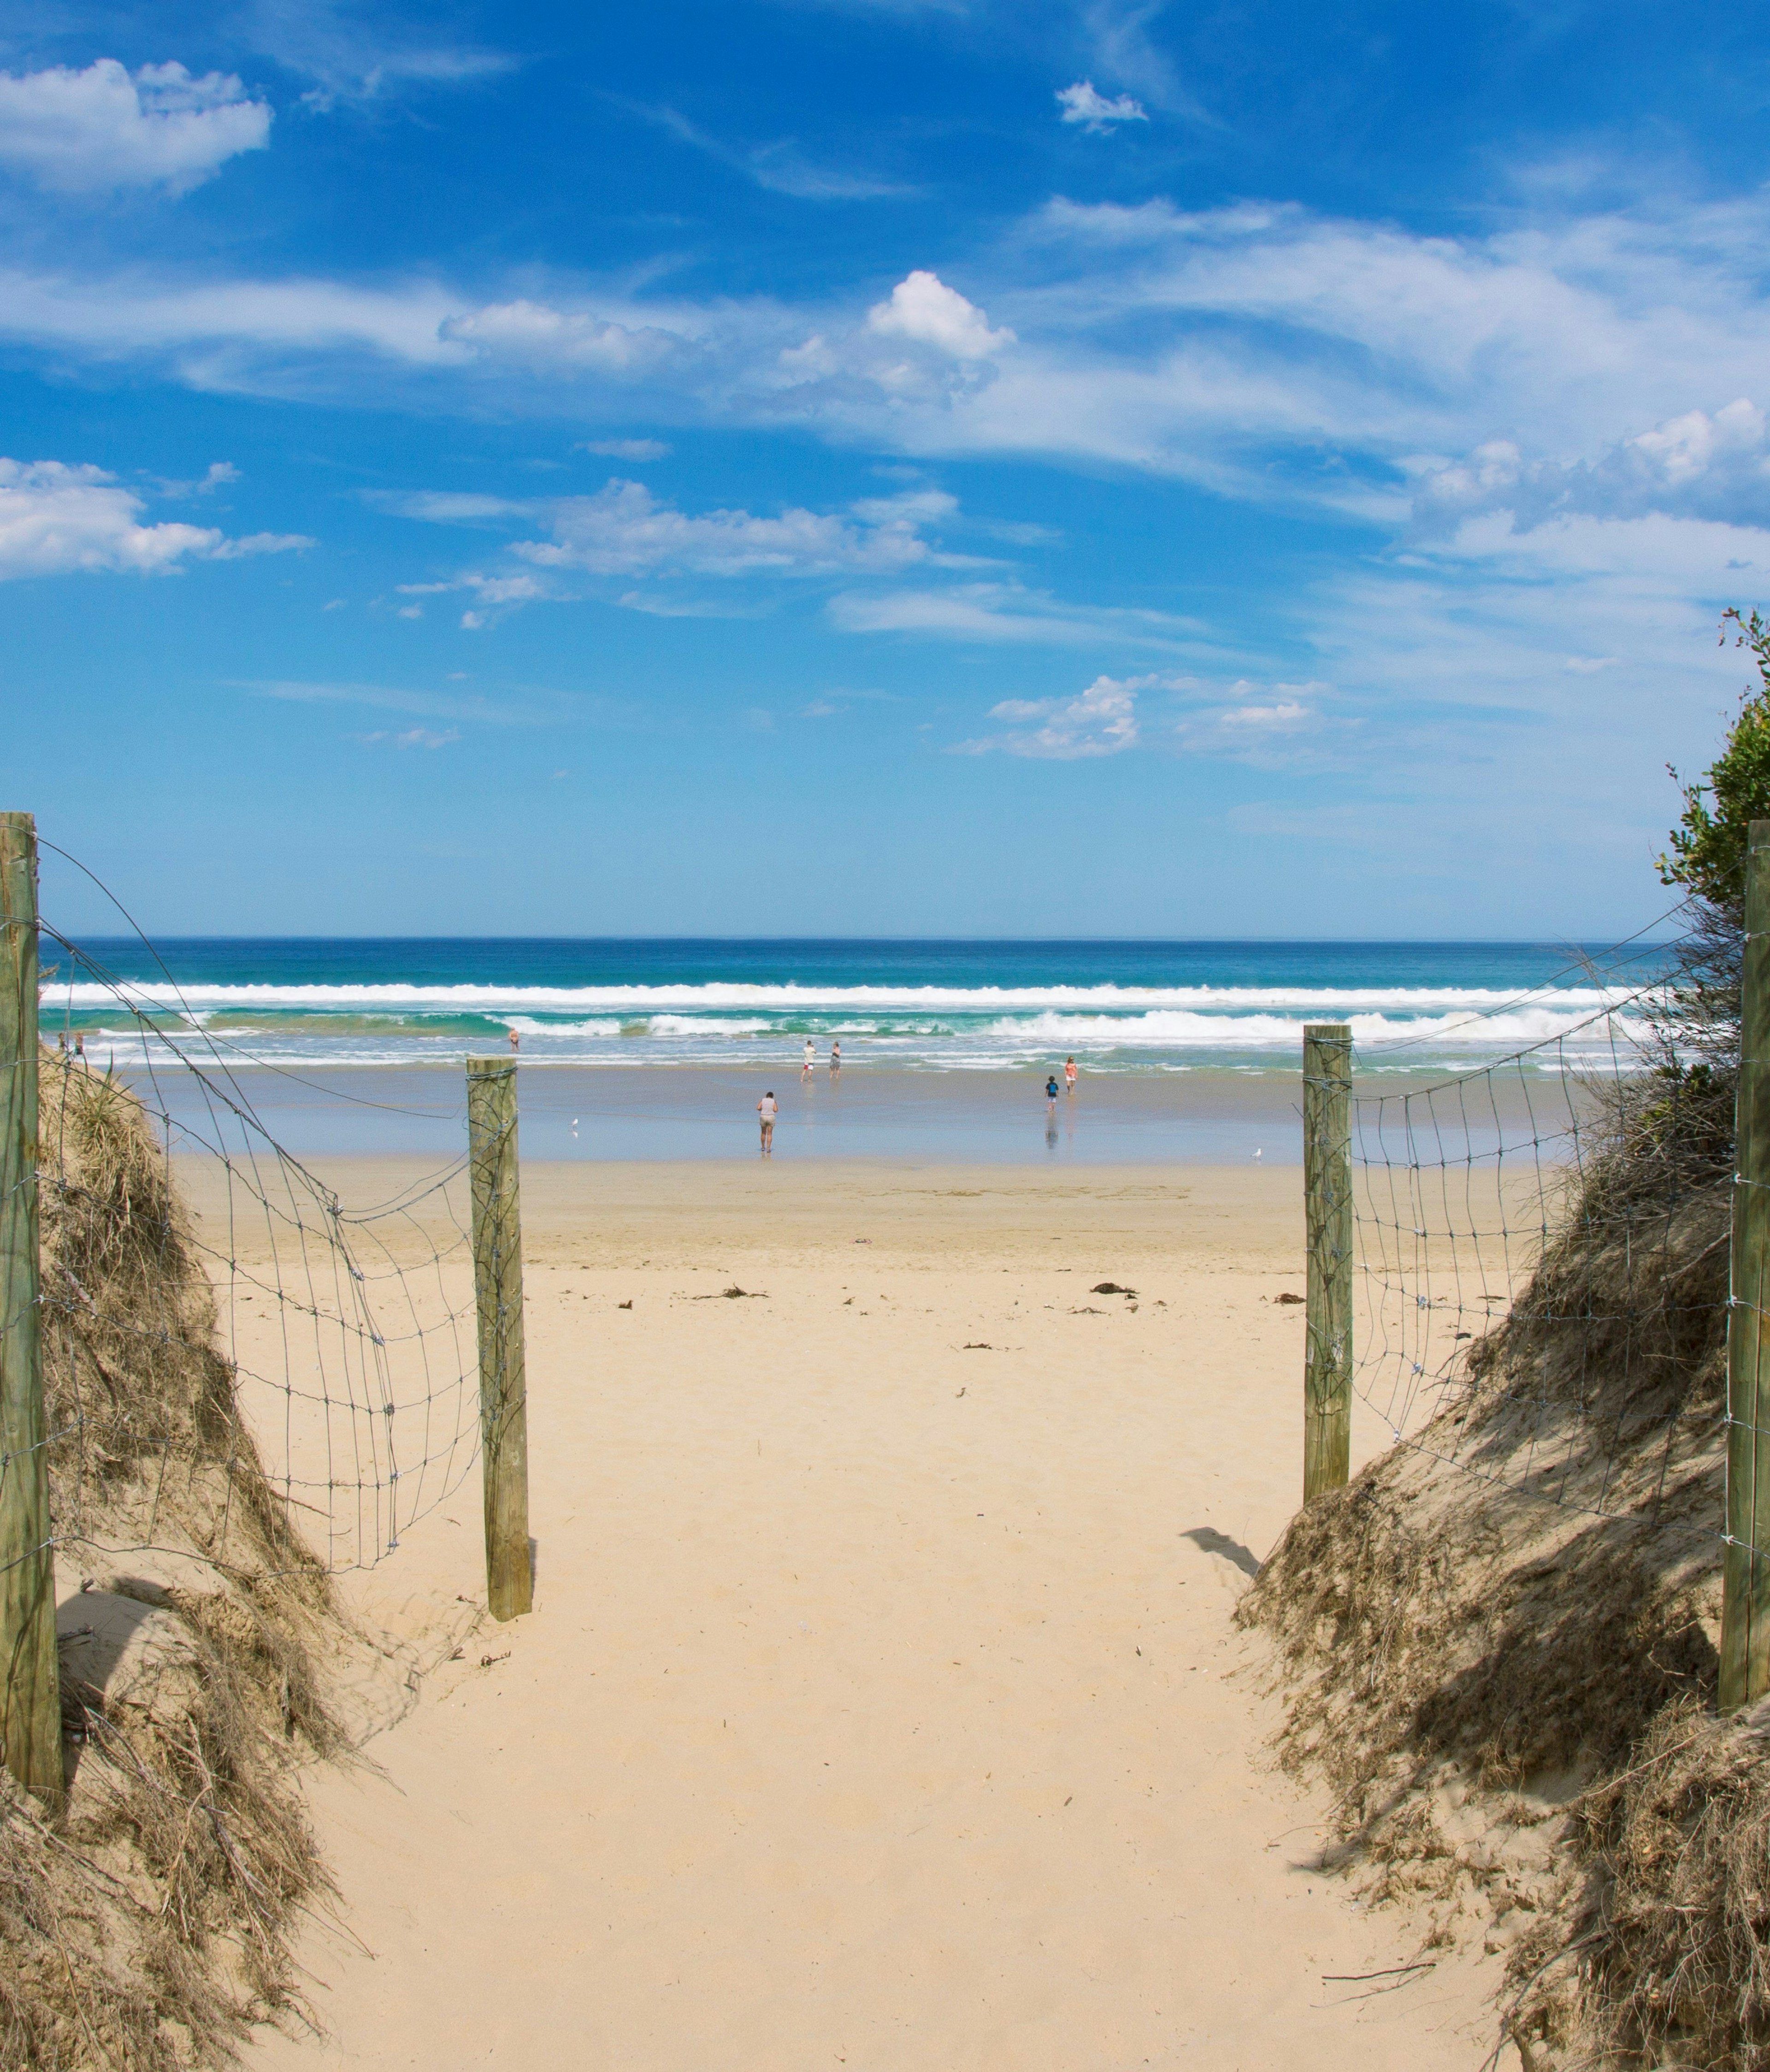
[(1111, 1288), (1286, 1296)]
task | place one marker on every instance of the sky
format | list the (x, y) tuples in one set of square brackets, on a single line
[(876, 467)]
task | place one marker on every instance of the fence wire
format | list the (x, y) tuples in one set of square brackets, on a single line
[(1542, 1293), (241, 1368)]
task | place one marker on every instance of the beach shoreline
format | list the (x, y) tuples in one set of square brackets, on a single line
[(1204, 1116)]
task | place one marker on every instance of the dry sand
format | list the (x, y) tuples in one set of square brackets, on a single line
[(881, 1706)]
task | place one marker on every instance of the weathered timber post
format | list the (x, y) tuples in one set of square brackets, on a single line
[(1745, 1601), (498, 1291), (1326, 1182), (30, 1673)]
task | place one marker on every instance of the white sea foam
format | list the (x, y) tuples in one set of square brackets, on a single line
[(1171, 1030), (1114, 1028), (502, 1001)]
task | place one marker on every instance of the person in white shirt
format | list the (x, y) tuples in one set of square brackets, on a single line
[(767, 1108), (811, 1057)]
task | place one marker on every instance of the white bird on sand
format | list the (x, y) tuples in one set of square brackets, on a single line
[(1256, 1154)]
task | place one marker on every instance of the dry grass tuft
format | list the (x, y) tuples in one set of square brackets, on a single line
[(1678, 1969), (148, 1927), (1500, 1640)]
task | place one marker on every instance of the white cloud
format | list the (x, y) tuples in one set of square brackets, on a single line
[(1600, 362), (503, 589), (1694, 464), (1287, 713), (1101, 721), (624, 530), (83, 132), (58, 520), (924, 308), (1080, 103)]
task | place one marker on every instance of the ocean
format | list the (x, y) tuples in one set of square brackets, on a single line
[(1119, 1008), (1187, 1052)]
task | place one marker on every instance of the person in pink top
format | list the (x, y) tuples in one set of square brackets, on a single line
[(766, 1109), (1068, 1076)]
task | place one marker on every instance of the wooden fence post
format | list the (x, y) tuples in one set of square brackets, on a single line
[(1327, 1181), (1745, 1586), (29, 1672), (497, 1291)]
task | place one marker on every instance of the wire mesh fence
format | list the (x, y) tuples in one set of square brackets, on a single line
[(1541, 1270), (240, 1366)]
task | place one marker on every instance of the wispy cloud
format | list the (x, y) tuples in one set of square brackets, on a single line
[(779, 165), (1266, 351), (218, 475), (521, 710), (1009, 613), (1261, 722), (625, 531), (355, 57), (1101, 721), (1117, 34), (411, 737), (627, 450)]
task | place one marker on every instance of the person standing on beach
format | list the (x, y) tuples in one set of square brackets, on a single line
[(766, 1109), (1050, 1097), (1068, 1074), (811, 1058), (836, 1058), (515, 1041)]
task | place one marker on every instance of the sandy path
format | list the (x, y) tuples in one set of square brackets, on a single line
[(881, 1705)]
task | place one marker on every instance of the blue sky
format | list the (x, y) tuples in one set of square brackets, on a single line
[(876, 468)]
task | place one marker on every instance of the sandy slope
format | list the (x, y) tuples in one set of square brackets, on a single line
[(881, 1706)]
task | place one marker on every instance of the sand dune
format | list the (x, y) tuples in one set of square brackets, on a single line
[(880, 1705)]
